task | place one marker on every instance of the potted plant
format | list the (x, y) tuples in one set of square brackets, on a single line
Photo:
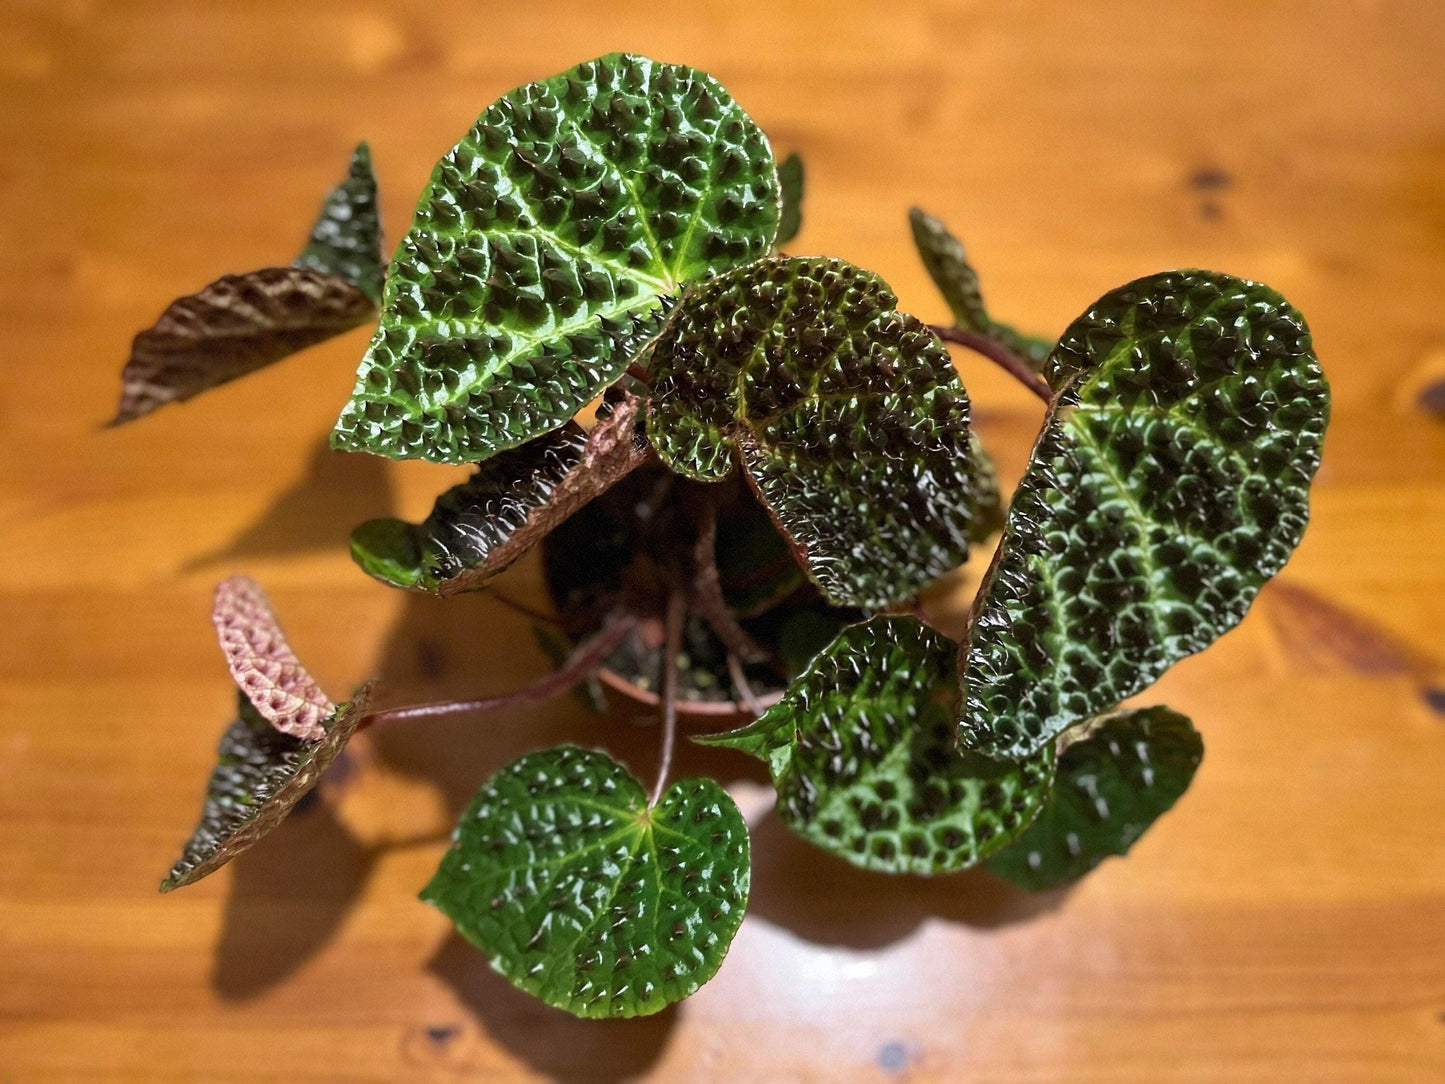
[(741, 468)]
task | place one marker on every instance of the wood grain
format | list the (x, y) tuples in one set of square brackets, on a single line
[(1285, 922)]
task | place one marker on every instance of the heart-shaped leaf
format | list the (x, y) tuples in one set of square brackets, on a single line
[(861, 751), (346, 239), (585, 897), (947, 264), (241, 323), (480, 527), (847, 414), (263, 664), (1113, 781), (790, 180), (1170, 482), (544, 250), (260, 775)]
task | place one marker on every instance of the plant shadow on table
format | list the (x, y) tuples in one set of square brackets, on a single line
[(290, 894), (288, 897), (335, 492)]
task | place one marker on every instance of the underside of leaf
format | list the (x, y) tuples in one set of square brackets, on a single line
[(236, 325), (847, 415), (480, 527), (543, 252), (1170, 482), (263, 664), (260, 775), (947, 264), (1122, 774), (861, 752), (585, 897), (241, 323)]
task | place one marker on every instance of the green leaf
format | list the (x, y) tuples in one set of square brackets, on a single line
[(545, 251), (790, 180), (987, 514), (1122, 773), (861, 751), (260, 775), (346, 239), (585, 897), (1170, 482), (947, 264), (848, 416), (241, 323), (475, 530)]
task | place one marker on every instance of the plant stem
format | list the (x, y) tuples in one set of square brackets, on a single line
[(742, 686), (676, 615), (583, 661), (707, 591), (1000, 355), (525, 610)]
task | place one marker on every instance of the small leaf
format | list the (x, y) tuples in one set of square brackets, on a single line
[(1117, 778), (263, 664), (585, 897), (514, 500), (545, 250), (848, 416), (790, 180), (260, 776), (236, 325), (947, 264), (1170, 482), (241, 323), (861, 751), (346, 239)]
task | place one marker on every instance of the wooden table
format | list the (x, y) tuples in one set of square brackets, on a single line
[(1286, 922)]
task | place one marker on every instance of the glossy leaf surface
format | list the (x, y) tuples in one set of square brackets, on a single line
[(847, 415), (947, 264), (236, 325), (259, 777), (790, 180), (544, 250), (584, 897), (346, 239), (861, 752), (477, 529), (1122, 774), (1170, 482)]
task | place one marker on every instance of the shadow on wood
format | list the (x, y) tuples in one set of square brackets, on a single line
[(553, 1043), (288, 897), (337, 491)]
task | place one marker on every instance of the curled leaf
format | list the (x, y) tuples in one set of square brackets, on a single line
[(1170, 482), (847, 415), (861, 751), (236, 325), (263, 664), (241, 323), (259, 777), (515, 499), (545, 251), (944, 258), (1116, 778), (585, 897)]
